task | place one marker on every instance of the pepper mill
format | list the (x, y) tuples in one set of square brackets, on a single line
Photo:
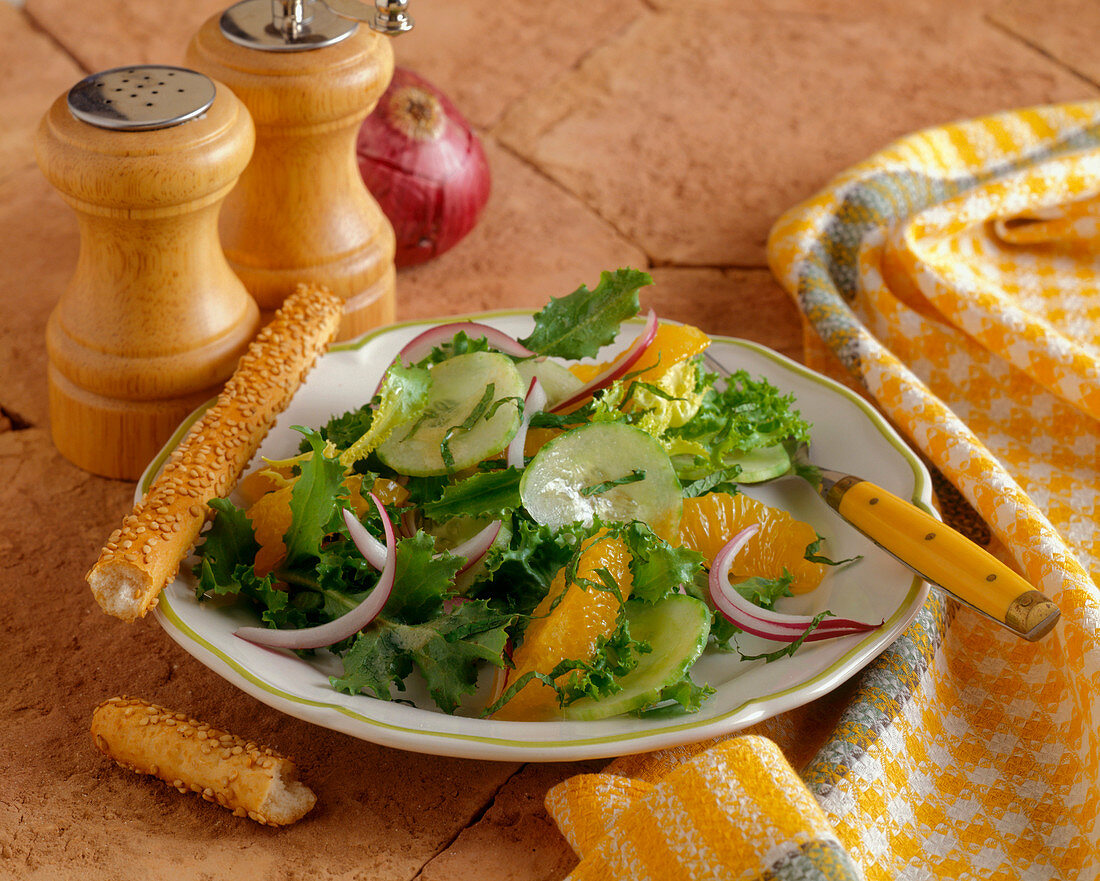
[(301, 212), (153, 319)]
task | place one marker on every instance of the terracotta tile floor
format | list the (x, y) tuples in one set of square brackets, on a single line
[(644, 132)]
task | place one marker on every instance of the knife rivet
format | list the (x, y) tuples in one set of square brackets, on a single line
[(930, 536), (873, 501), (991, 577)]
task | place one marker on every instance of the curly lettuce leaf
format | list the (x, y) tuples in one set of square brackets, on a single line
[(597, 677), (345, 429), (763, 592), (402, 398), (492, 494), (583, 322), (228, 543), (422, 581), (676, 700), (656, 567), (521, 572), (747, 414), (315, 503), (446, 650)]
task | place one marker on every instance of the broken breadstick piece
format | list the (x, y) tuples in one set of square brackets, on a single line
[(142, 556), (193, 756)]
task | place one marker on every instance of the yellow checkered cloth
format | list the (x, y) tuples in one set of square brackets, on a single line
[(954, 278)]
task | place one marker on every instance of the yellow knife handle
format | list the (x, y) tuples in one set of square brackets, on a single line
[(941, 555)]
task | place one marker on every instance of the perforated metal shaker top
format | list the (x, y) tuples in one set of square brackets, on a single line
[(141, 97)]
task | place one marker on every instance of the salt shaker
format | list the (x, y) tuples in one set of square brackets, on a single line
[(154, 319), (301, 212)]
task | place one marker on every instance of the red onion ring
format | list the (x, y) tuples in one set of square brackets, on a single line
[(617, 370), (374, 552), (532, 404), (766, 623), (473, 549), (349, 623), (421, 345)]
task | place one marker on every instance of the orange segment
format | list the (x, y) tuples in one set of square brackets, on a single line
[(389, 492), (570, 630), (270, 516), (537, 438), (708, 522), (259, 483), (673, 343)]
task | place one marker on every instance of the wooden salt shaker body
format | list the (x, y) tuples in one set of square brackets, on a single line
[(153, 320), (301, 211)]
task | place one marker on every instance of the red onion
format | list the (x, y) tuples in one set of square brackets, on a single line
[(532, 404), (351, 622), (375, 553), (408, 523), (619, 369), (421, 345), (473, 549), (423, 163), (764, 622)]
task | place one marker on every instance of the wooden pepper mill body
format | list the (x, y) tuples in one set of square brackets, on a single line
[(153, 319), (301, 211)]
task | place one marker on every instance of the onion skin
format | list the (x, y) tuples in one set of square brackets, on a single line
[(532, 404), (351, 622), (424, 165), (472, 551), (421, 345), (766, 623)]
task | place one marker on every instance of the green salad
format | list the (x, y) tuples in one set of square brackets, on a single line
[(513, 505)]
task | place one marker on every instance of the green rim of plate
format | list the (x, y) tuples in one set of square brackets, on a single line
[(165, 611)]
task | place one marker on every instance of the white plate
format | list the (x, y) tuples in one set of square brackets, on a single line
[(848, 436)]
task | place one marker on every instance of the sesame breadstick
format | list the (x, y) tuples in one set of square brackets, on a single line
[(142, 556), (195, 757)]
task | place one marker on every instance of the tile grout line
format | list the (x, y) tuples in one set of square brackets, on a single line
[(38, 26), (595, 213), (1040, 50), (648, 9), (477, 817)]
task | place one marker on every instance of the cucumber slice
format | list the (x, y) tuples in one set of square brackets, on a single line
[(553, 486), (763, 463), (676, 628), (457, 387), (556, 380)]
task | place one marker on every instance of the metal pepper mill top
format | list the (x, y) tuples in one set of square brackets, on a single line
[(296, 25), (153, 319), (309, 75)]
